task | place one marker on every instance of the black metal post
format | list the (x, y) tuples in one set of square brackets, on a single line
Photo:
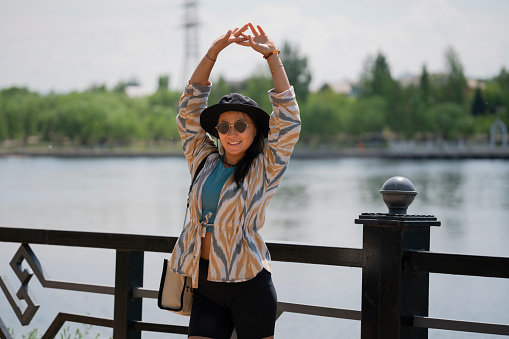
[(128, 275), (391, 296), (381, 283), (415, 286)]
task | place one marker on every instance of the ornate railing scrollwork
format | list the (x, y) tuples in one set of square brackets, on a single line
[(24, 314)]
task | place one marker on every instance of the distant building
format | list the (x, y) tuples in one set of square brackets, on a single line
[(350, 88), (139, 91)]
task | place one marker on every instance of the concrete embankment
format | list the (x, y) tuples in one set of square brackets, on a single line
[(485, 153)]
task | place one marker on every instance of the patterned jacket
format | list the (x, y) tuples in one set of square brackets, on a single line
[(238, 252)]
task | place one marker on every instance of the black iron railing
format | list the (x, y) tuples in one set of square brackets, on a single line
[(395, 261)]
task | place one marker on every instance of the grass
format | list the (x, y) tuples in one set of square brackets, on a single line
[(65, 333)]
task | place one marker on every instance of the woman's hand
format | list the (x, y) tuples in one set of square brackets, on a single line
[(201, 74), (236, 35), (260, 42), (265, 46)]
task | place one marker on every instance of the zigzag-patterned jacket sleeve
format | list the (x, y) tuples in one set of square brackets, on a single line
[(283, 135), (196, 143)]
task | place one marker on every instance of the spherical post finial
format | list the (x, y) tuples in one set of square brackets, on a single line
[(398, 193)]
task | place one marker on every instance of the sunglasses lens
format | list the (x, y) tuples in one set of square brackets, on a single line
[(223, 127), (240, 126)]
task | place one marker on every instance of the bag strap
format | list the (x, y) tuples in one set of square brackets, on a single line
[(198, 170), (200, 167)]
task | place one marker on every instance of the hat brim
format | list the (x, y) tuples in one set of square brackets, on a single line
[(210, 116)]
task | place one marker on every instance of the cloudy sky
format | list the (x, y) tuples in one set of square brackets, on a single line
[(63, 45)]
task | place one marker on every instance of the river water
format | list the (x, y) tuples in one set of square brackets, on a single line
[(316, 203)]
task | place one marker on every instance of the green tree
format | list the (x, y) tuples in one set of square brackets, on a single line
[(90, 119), (4, 132), (220, 88), (367, 116), (19, 113), (163, 83), (455, 86), (478, 104), (493, 96), (324, 115), (256, 88), (164, 96), (503, 80), (424, 87), (449, 120), (297, 70), (98, 88), (159, 124), (120, 87), (415, 106), (376, 80)]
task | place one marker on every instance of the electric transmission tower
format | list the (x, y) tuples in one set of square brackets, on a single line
[(191, 24)]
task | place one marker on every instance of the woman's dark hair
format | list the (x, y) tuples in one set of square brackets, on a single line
[(252, 152)]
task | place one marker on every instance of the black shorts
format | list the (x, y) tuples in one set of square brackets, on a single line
[(249, 306)]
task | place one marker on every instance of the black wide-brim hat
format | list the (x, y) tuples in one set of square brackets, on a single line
[(234, 102)]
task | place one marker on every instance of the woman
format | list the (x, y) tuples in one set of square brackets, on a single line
[(220, 247)]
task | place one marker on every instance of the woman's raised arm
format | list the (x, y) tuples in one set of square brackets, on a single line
[(264, 45), (202, 72)]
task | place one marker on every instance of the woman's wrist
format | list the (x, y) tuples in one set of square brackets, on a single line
[(272, 52), (278, 72), (212, 54), (208, 57), (274, 62)]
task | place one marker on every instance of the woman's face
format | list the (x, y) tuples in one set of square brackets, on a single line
[(236, 144)]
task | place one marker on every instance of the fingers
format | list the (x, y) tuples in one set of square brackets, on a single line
[(239, 36), (238, 32), (235, 35), (262, 32), (242, 40), (255, 33), (251, 41)]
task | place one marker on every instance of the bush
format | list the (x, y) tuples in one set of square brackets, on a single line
[(449, 121)]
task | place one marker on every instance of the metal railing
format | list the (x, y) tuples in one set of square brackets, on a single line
[(395, 262)]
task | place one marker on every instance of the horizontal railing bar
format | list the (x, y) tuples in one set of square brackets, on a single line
[(117, 241), (460, 326), (281, 306), (459, 264), (162, 328), (319, 255), (70, 286), (319, 311), (145, 293)]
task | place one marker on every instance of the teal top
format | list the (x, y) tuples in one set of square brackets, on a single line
[(212, 190)]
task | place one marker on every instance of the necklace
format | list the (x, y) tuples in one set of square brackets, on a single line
[(224, 162)]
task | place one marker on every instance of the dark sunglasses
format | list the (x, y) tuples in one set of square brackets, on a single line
[(239, 125)]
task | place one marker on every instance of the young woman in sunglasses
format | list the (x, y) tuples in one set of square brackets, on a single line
[(220, 248)]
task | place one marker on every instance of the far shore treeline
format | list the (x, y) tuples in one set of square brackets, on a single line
[(377, 109)]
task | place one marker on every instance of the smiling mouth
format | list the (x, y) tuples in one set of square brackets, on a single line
[(233, 143)]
